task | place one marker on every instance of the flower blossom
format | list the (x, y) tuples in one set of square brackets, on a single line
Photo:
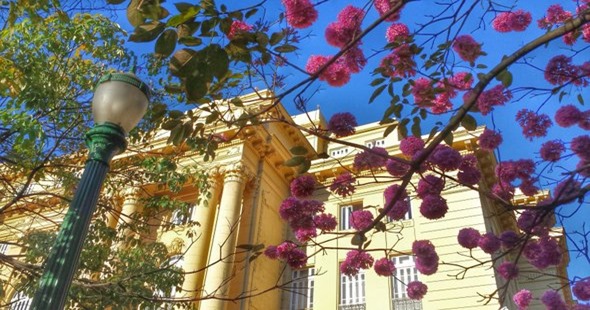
[(289, 253), (400, 207), (342, 124), (533, 124), (325, 221), (397, 32), (496, 96), (512, 21), (461, 80), (555, 15), (371, 159), (582, 289), (400, 63), (430, 185), (343, 184), (423, 92), (336, 74), (426, 257), (468, 237), (467, 48), (522, 299), (384, 267), (361, 219), (384, 6), (553, 301), (581, 146), (346, 28), (303, 186), (433, 207), (238, 27), (411, 145), (396, 168), (489, 140), (300, 13), (508, 270), (469, 173), (489, 243), (355, 261), (560, 70), (416, 290), (445, 158), (509, 239), (552, 150)]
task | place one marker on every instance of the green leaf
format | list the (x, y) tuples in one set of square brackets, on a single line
[(184, 62), (378, 81), (298, 150), (402, 131), (251, 12), (189, 13), (183, 6), (190, 41), (469, 122), (416, 130), (285, 48), (377, 92), (134, 15), (195, 88), (449, 139), (580, 99), (505, 77), (166, 43), (295, 161), (217, 60), (147, 32), (115, 1), (304, 166), (389, 130), (171, 124), (276, 37), (358, 239)]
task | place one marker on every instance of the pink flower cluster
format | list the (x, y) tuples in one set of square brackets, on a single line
[(342, 124), (238, 27), (426, 257), (423, 92), (343, 184), (303, 186), (445, 158), (356, 260), (508, 171), (512, 21), (509, 239), (469, 173), (400, 63), (568, 115), (384, 267), (416, 290), (489, 243), (401, 206), (467, 48), (581, 146), (533, 124), (582, 289), (433, 207), (305, 217), (325, 221), (361, 219), (384, 6), (560, 70), (543, 253), (553, 301), (496, 96), (346, 28), (430, 185), (533, 222), (396, 168), (468, 237), (552, 150), (289, 253), (555, 15), (336, 74), (300, 13), (508, 270), (410, 145), (522, 299), (397, 32), (489, 140), (370, 159)]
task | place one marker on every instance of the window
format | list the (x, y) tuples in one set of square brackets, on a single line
[(408, 215), (345, 212), (352, 292), (182, 216), (374, 143), (20, 301), (302, 289), (339, 152), (3, 248), (405, 273), (174, 261)]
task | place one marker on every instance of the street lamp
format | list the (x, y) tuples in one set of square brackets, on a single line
[(119, 103)]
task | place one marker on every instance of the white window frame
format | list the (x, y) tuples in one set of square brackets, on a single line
[(20, 301), (178, 218), (352, 291), (4, 248), (344, 212), (405, 272), (302, 287), (340, 152), (173, 261), (375, 143)]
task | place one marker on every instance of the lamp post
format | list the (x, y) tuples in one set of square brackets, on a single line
[(119, 103)]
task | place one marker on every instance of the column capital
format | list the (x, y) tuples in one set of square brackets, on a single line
[(236, 172)]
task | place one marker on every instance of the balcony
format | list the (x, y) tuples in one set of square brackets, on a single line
[(406, 304), (352, 307)]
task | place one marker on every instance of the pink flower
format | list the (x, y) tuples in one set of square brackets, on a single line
[(355, 261), (446, 158), (581, 146), (325, 221), (416, 290), (423, 248), (568, 115), (533, 124), (467, 48), (342, 124), (343, 185), (585, 121), (300, 13), (502, 22), (552, 299), (489, 243), (336, 74), (341, 32), (520, 20), (560, 70), (430, 185), (509, 239), (508, 270), (400, 207), (400, 63), (528, 187), (361, 219), (582, 289), (503, 190), (370, 159), (303, 186), (305, 234), (396, 168), (468, 237), (289, 208), (522, 299), (552, 150), (461, 80), (433, 207), (583, 168), (238, 27), (529, 220), (411, 145), (384, 267), (543, 253), (423, 92), (488, 99), (426, 257), (489, 140), (384, 6), (556, 14), (354, 59), (397, 31), (294, 257), (271, 252), (441, 104)]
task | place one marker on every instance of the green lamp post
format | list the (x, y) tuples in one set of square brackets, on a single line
[(119, 103)]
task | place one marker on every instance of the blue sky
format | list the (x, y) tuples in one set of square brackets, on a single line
[(355, 95)]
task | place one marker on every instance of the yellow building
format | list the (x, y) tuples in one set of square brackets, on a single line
[(221, 257)]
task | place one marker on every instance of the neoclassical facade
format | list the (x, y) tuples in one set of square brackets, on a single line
[(238, 216)]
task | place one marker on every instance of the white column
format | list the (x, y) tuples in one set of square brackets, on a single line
[(130, 206), (224, 239)]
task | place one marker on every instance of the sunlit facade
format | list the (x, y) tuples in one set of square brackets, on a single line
[(248, 180)]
